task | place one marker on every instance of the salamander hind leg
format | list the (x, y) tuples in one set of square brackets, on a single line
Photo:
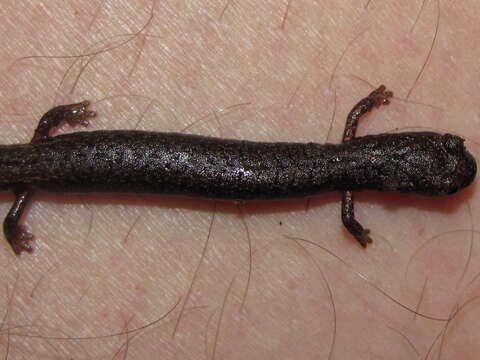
[(16, 233), (73, 114)]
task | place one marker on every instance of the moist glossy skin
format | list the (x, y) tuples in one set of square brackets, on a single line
[(169, 163)]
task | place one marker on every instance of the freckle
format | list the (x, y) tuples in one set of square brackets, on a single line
[(292, 285), (139, 288), (421, 231)]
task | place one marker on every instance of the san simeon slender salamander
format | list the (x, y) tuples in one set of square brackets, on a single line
[(424, 163)]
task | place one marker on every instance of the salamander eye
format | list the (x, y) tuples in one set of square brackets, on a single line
[(453, 143)]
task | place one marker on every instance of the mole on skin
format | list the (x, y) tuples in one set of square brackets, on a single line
[(425, 163)]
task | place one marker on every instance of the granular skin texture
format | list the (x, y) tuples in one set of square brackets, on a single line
[(424, 163)]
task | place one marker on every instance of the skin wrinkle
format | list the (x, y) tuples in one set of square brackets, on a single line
[(245, 58)]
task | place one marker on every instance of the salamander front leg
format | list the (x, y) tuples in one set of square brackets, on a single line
[(352, 225), (15, 232), (376, 98), (73, 114)]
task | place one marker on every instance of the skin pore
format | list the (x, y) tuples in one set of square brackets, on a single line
[(242, 281)]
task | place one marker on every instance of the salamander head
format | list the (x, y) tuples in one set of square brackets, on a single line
[(466, 167), (447, 165)]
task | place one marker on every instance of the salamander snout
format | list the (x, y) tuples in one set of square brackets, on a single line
[(466, 171), (462, 165)]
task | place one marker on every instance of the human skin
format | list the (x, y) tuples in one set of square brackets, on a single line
[(105, 264)]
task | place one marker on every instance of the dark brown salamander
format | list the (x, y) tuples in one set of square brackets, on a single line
[(424, 163)]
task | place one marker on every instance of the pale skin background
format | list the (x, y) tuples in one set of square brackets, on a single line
[(259, 70)]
